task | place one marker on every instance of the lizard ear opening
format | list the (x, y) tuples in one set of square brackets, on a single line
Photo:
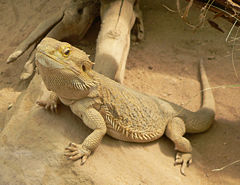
[(83, 67)]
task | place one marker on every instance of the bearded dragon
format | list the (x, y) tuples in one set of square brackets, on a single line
[(106, 106)]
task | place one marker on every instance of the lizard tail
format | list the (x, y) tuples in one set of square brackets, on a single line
[(201, 120), (208, 99)]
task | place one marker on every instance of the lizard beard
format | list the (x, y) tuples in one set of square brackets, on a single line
[(65, 83)]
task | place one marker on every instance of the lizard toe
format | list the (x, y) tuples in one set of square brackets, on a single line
[(184, 159), (84, 159), (51, 105), (75, 152)]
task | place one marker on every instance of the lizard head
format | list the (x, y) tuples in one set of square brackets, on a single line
[(64, 66)]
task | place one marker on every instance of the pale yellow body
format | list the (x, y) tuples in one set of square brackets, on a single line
[(109, 107)]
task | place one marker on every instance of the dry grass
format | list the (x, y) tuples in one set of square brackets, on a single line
[(202, 18)]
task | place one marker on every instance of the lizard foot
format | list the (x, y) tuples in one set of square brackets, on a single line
[(75, 152), (49, 104), (185, 159)]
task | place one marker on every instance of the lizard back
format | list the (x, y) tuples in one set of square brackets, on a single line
[(131, 116)]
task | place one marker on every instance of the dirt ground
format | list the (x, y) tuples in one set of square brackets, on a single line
[(165, 64)]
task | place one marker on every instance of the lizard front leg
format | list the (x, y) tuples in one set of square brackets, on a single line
[(92, 119), (48, 100)]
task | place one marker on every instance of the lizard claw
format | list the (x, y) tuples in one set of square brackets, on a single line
[(184, 159), (48, 105), (75, 152)]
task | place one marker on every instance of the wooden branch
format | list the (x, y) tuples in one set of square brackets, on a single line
[(113, 41)]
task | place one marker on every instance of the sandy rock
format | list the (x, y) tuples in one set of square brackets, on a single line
[(7, 98), (33, 140)]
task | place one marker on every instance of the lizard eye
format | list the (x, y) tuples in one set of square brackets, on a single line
[(66, 51)]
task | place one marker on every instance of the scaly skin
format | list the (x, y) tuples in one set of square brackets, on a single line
[(109, 107)]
